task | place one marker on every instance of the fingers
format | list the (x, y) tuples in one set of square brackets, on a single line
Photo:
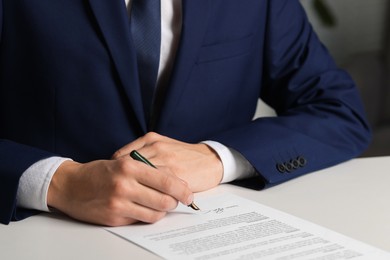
[(148, 193), (148, 198), (117, 213), (116, 192), (146, 140), (135, 145), (126, 212), (162, 183)]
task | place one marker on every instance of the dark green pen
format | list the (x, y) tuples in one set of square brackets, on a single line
[(137, 156)]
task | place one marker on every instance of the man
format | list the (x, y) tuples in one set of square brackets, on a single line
[(70, 88)]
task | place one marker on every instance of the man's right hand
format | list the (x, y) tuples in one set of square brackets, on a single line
[(116, 192)]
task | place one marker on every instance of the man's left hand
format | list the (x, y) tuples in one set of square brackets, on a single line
[(197, 164)]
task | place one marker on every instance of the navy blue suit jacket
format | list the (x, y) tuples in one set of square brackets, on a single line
[(69, 87)]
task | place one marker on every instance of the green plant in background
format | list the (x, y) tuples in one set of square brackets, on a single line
[(324, 13)]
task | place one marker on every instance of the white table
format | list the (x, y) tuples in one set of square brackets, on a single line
[(351, 198)]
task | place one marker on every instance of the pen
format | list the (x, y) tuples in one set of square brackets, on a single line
[(137, 156)]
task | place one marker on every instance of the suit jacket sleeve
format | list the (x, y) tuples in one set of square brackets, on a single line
[(10, 173), (320, 118), (11, 168)]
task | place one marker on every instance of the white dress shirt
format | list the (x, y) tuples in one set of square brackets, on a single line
[(35, 181)]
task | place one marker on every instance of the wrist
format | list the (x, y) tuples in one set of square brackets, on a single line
[(235, 166), (217, 165), (56, 194)]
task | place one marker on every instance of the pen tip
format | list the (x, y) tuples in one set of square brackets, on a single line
[(193, 206)]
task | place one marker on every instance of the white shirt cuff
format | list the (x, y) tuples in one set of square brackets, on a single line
[(34, 183), (235, 166)]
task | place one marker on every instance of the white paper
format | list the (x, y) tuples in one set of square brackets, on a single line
[(231, 227)]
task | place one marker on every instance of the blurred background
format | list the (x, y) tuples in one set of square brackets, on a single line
[(357, 34)]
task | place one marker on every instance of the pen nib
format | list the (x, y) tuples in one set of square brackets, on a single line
[(193, 206)]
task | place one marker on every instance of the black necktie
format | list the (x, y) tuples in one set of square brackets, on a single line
[(145, 20)]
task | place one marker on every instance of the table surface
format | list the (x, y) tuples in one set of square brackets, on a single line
[(351, 198)]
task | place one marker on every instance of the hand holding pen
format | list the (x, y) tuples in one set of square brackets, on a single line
[(137, 156)]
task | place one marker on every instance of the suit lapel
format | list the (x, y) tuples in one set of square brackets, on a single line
[(195, 19), (113, 21)]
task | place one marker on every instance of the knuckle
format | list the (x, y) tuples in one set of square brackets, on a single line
[(118, 188), (122, 190), (123, 165), (151, 136), (167, 203), (113, 207), (112, 221), (154, 217), (167, 183), (115, 221), (116, 154), (158, 146)]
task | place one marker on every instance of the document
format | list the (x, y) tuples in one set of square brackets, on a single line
[(231, 227)]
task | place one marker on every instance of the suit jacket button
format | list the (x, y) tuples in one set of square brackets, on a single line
[(281, 168), (295, 164), (302, 161), (289, 167)]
